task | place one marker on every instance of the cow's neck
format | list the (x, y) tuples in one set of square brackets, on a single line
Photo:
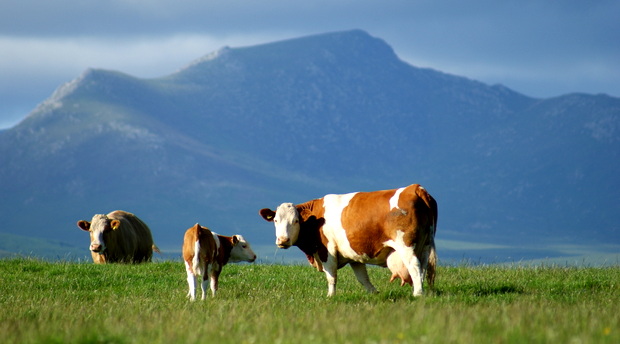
[(309, 240), (313, 207), (225, 249)]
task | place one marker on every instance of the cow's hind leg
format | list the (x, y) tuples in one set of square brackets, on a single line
[(191, 281), (412, 263), (428, 260), (362, 276)]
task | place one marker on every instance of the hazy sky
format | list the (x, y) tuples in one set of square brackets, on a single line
[(539, 48)]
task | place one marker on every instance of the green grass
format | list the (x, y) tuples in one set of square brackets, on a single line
[(61, 302)]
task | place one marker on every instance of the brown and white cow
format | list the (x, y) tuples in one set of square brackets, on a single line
[(363, 228), (119, 237), (206, 252)]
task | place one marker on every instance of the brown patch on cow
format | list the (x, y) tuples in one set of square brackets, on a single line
[(364, 220)]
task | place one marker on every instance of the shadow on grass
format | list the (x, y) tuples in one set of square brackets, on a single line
[(496, 290)]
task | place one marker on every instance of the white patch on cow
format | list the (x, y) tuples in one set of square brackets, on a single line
[(338, 243), (395, 198), (196, 260), (217, 240), (191, 281), (98, 240)]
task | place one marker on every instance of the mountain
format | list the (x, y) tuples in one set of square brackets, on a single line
[(245, 128)]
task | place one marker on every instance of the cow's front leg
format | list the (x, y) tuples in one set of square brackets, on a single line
[(362, 276), (331, 273), (215, 275), (204, 286)]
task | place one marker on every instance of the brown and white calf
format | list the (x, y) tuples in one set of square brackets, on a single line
[(363, 228), (206, 252), (119, 237)]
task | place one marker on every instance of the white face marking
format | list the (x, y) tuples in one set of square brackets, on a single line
[(242, 251), (286, 222), (395, 198), (99, 225)]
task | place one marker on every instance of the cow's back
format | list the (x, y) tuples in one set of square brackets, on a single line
[(133, 241)]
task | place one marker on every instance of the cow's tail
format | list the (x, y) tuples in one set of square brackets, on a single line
[(432, 257), (432, 264), (196, 266)]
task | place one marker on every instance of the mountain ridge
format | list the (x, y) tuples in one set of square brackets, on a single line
[(245, 128)]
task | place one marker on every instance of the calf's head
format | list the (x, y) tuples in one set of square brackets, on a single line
[(99, 228), (241, 250), (286, 220)]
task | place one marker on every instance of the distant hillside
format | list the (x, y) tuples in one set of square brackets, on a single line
[(251, 127), (12, 246)]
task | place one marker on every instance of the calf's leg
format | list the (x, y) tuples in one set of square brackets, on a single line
[(191, 281), (214, 281)]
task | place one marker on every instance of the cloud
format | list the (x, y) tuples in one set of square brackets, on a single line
[(33, 67), (538, 48)]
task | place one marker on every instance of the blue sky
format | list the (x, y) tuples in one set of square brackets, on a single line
[(539, 48)]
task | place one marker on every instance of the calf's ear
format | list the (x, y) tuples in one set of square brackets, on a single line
[(115, 224), (267, 214), (84, 225), (235, 239)]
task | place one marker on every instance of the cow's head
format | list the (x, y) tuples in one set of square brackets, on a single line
[(286, 219), (241, 250), (100, 227)]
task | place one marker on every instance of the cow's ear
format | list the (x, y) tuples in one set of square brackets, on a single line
[(235, 239), (115, 224), (84, 225), (267, 214)]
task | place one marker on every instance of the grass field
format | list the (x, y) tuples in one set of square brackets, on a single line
[(62, 302)]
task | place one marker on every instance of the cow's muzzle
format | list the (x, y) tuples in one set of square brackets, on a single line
[(283, 242), (97, 248)]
